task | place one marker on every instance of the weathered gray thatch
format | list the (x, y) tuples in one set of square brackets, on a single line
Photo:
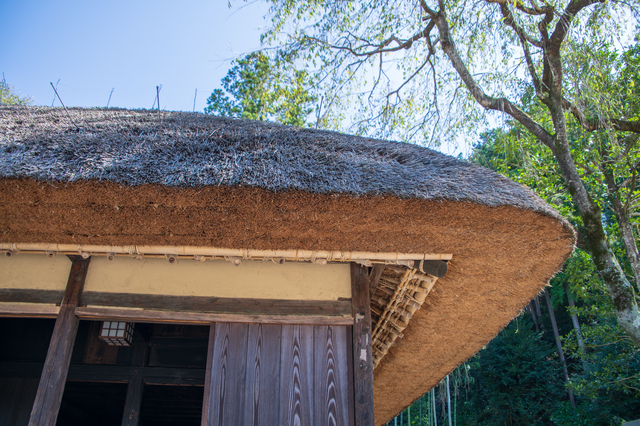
[(192, 150)]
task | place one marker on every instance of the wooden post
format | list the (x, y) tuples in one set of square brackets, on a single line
[(56, 365), (131, 415), (205, 419), (135, 389), (362, 356)]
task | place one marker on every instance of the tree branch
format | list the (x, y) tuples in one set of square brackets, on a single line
[(488, 102), (593, 124), (377, 48), (521, 7), (564, 22)]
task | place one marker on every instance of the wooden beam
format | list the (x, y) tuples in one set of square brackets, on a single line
[(362, 354), (28, 310), (374, 277), (436, 268), (133, 402), (23, 295), (157, 316), (135, 389), (340, 307), (207, 379), (56, 365)]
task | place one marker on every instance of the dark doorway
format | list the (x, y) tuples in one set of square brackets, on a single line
[(171, 405), (170, 359), (92, 403)]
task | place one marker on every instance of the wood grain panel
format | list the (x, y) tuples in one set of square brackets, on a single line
[(331, 377), (275, 374), (296, 376), (263, 375), (228, 374)]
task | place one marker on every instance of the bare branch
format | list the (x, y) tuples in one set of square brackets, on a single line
[(397, 91), (497, 104), (382, 47)]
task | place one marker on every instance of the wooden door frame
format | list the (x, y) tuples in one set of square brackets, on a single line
[(53, 378)]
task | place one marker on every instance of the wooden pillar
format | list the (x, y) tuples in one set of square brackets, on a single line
[(56, 365), (362, 356), (135, 389), (133, 402), (206, 411)]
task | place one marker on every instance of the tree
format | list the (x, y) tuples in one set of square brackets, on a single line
[(603, 362), (8, 95), (256, 89), (514, 380), (488, 50)]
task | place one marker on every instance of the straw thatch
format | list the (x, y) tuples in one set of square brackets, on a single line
[(160, 178), (183, 149)]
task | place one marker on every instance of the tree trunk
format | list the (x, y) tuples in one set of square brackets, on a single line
[(622, 216), (576, 327), (448, 401), (532, 310), (435, 413), (556, 334), (606, 263)]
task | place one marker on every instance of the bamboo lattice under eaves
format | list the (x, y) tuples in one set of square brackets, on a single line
[(399, 294)]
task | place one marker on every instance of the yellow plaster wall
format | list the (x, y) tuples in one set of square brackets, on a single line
[(252, 279), (34, 272)]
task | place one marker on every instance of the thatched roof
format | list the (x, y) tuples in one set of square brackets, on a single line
[(168, 178), (194, 150)]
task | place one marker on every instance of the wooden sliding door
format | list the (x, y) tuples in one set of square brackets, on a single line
[(272, 374)]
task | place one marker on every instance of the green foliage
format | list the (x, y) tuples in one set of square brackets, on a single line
[(608, 375), (608, 388), (8, 95), (382, 71), (257, 89), (513, 380)]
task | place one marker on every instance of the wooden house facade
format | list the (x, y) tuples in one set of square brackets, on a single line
[(173, 268)]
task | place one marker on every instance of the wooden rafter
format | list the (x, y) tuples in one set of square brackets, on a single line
[(400, 293)]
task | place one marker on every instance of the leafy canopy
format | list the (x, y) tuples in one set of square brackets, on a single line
[(256, 88), (8, 95)]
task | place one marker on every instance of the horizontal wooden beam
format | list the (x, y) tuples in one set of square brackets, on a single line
[(29, 310), (157, 316), (218, 305), (111, 373), (23, 295)]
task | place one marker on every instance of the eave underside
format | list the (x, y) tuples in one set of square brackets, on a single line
[(502, 256)]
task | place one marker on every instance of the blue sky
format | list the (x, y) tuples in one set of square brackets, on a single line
[(130, 46)]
